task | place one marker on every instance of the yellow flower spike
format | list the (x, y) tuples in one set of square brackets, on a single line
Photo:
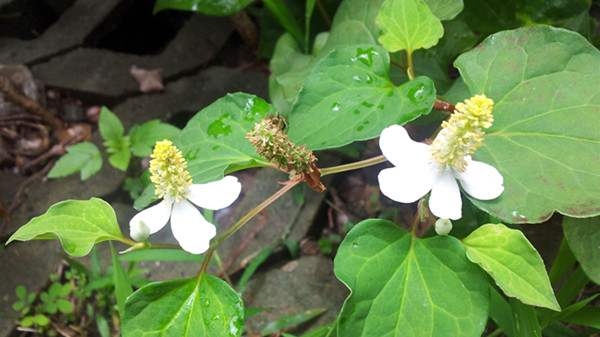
[(169, 174), (462, 134)]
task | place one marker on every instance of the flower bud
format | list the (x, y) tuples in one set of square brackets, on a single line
[(139, 231), (443, 226)]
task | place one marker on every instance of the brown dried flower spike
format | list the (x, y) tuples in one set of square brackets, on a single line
[(270, 142)]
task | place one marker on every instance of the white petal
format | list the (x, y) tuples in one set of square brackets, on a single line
[(444, 201), (190, 228), (400, 150), (155, 217), (407, 183), (217, 194), (481, 181)]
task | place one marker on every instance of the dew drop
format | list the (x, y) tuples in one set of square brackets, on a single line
[(367, 104), (417, 94), (356, 78), (207, 303), (369, 79), (216, 147), (356, 112), (336, 106), (354, 245), (360, 128)]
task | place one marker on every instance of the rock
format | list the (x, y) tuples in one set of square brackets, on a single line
[(311, 284), (100, 75), (68, 32)]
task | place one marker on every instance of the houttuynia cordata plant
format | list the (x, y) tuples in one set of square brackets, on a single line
[(510, 139)]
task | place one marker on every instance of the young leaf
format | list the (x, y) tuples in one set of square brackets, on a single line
[(143, 137), (404, 286), (583, 236), (184, 308), (84, 157), (78, 224), (122, 286), (41, 320), (21, 292), (66, 307), (120, 157), (408, 25), (216, 136), (349, 97), (544, 82), (111, 128), (513, 263)]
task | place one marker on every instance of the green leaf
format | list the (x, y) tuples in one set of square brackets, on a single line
[(41, 320), (84, 157), (444, 9), (583, 236), (65, 289), (408, 25), (120, 158), (66, 307), (404, 286), (111, 128), (143, 138), (216, 136), (18, 305), (78, 224), (513, 263), (188, 307), (526, 323), (290, 320), (122, 286), (286, 19), (208, 7), (545, 83), (354, 23), (349, 97), (256, 262), (27, 321), (587, 316), (103, 327), (54, 290), (21, 292)]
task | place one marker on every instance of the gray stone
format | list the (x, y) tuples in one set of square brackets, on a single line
[(105, 74), (306, 284), (191, 94), (68, 32)]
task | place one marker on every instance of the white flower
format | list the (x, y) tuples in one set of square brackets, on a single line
[(189, 227), (420, 168)]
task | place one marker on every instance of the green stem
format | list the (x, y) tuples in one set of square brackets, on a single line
[(495, 333), (220, 264), (217, 241), (353, 166), (410, 71), (323, 13)]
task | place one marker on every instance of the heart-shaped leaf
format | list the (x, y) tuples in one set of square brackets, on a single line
[(545, 83), (408, 25), (404, 286), (513, 263), (78, 224), (216, 136), (184, 308), (349, 97), (583, 236)]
